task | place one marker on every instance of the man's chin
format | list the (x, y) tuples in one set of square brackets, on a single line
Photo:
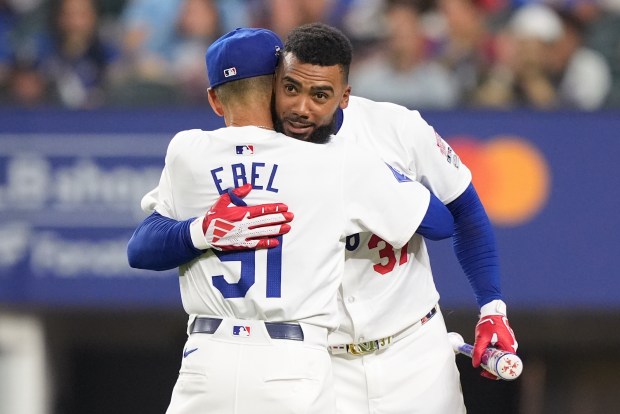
[(302, 137), (317, 135), (302, 134)]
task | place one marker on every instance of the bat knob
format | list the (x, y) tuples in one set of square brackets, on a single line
[(456, 340), (508, 366)]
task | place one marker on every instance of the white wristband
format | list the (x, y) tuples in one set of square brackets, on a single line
[(495, 307), (198, 237)]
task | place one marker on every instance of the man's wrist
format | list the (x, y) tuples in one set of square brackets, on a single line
[(495, 307), (198, 237)]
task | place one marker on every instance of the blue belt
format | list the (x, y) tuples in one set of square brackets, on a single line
[(290, 331)]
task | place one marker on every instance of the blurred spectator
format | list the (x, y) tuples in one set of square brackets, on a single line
[(468, 47), (520, 76), (466, 53), (197, 27), (8, 20), (543, 65), (29, 17), (27, 85), (166, 66), (21, 21), (583, 75), (601, 22), (400, 70), (363, 19), (283, 15), (233, 14), (78, 60), (149, 29)]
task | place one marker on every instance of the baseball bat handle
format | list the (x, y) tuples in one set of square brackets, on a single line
[(504, 365), (466, 349)]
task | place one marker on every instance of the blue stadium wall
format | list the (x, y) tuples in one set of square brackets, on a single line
[(71, 183)]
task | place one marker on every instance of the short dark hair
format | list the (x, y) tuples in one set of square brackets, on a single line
[(320, 44), (243, 90)]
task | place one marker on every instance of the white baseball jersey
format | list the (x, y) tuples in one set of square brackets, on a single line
[(386, 289), (334, 190)]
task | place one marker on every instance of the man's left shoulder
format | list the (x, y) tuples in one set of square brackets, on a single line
[(363, 107), (389, 117)]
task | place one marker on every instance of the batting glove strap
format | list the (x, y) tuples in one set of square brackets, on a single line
[(495, 307), (198, 237)]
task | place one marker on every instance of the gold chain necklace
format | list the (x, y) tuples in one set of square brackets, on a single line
[(257, 126)]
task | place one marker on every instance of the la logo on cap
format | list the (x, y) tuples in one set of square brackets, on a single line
[(230, 72)]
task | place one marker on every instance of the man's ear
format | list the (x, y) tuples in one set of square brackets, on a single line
[(215, 103), (344, 101)]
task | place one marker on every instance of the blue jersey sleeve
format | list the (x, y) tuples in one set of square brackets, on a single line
[(161, 243), (475, 247), (438, 223)]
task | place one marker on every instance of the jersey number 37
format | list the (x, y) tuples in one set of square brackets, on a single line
[(387, 253)]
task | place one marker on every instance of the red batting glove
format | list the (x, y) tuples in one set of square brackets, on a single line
[(240, 227), (493, 330)]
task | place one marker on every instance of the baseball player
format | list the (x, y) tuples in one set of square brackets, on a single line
[(259, 319), (391, 352), (388, 294), (415, 373)]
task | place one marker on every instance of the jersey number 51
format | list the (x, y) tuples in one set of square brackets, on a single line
[(248, 272)]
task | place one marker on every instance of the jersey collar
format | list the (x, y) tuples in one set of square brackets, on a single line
[(339, 120)]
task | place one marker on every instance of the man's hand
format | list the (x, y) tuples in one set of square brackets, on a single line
[(240, 227), (493, 330)]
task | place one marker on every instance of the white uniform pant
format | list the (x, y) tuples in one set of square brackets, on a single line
[(415, 375), (232, 374)]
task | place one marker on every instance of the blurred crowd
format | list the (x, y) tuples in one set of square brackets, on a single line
[(424, 54)]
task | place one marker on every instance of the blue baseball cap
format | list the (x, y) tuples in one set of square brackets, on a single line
[(242, 53)]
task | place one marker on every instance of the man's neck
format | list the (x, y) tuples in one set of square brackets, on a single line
[(270, 127), (247, 117)]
